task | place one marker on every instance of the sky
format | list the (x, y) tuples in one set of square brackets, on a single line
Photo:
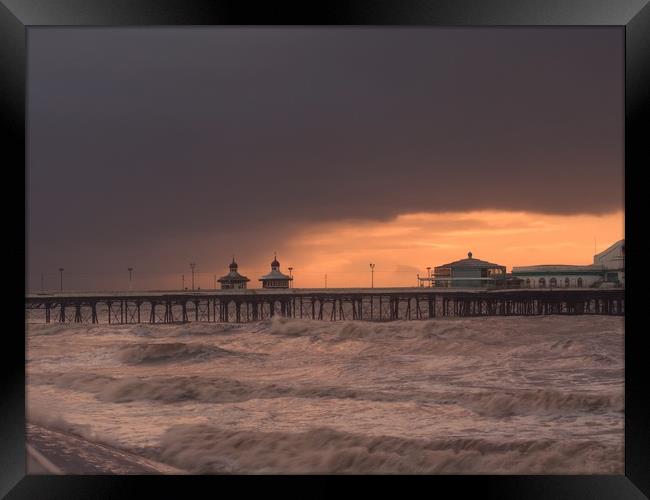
[(335, 147)]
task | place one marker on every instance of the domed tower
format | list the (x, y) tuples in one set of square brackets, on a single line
[(233, 280), (275, 279)]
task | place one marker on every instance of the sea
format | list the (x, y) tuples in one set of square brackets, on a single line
[(483, 395)]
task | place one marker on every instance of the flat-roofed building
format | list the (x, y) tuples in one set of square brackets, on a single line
[(558, 276), (607, 270)]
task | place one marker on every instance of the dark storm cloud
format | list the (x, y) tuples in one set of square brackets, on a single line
[(138, 137)]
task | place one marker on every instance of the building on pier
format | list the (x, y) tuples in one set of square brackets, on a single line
[(613, 261), (607, 271), (275, 279), (469, 273), (233, 280)]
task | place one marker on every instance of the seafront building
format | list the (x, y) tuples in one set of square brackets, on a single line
[(469, 272), (275, 279), (607, 271), (233, 280)]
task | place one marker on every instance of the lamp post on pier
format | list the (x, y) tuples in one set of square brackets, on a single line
[(291, 276), (372, 275), (61, 277), (192, 266), (130, 277)]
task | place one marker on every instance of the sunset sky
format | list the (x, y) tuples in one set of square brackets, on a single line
[(405, 147)]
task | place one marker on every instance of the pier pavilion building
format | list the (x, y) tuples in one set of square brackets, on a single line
[(233, 280), (606, 271), (469, 272), (275, 279)]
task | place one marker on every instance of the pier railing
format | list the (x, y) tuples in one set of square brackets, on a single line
[(318, 304)]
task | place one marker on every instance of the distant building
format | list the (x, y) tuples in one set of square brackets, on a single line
[(275, 279), (607, 270), (469, 272), (613, 261), (233, 279)]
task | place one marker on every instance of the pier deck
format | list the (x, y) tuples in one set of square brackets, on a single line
[(365, 304)]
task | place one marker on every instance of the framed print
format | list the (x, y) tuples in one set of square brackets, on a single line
[(327, 244)]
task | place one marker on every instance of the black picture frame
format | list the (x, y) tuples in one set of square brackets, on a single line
[(633, 16)]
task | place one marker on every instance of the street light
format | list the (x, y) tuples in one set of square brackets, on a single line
[(61, 277), (372, 276), (192, 265), (130, 276), (291, 276), (429, 275)]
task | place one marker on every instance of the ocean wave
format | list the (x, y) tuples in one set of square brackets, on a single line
[(39, 329), (43, 416), (364, 330), (495, 403), (137, 330), (286, 327), (208, 449), (170, 352), (188, 329), (183, 389), (538, 402)]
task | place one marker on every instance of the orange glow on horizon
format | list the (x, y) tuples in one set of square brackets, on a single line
[(408, 244)]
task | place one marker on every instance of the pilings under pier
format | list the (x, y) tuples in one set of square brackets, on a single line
[(333, 305)]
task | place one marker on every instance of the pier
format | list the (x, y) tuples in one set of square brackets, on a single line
[(390, 304)]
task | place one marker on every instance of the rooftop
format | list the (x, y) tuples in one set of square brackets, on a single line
[(470, 262), (557, 267), (233, 276), (275, 275)]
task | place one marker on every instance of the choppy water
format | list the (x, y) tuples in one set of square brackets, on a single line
[(481, 395)]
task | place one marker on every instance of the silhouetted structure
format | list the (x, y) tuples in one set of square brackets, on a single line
[(275, 279), (469, 272), (233, 280), (607, 270), (322, 304)]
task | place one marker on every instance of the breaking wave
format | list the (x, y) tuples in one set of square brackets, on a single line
[(464, 395), (542, 401), (361, 329), (496, 404), (170, 352), (206, 449), (201, 389)]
